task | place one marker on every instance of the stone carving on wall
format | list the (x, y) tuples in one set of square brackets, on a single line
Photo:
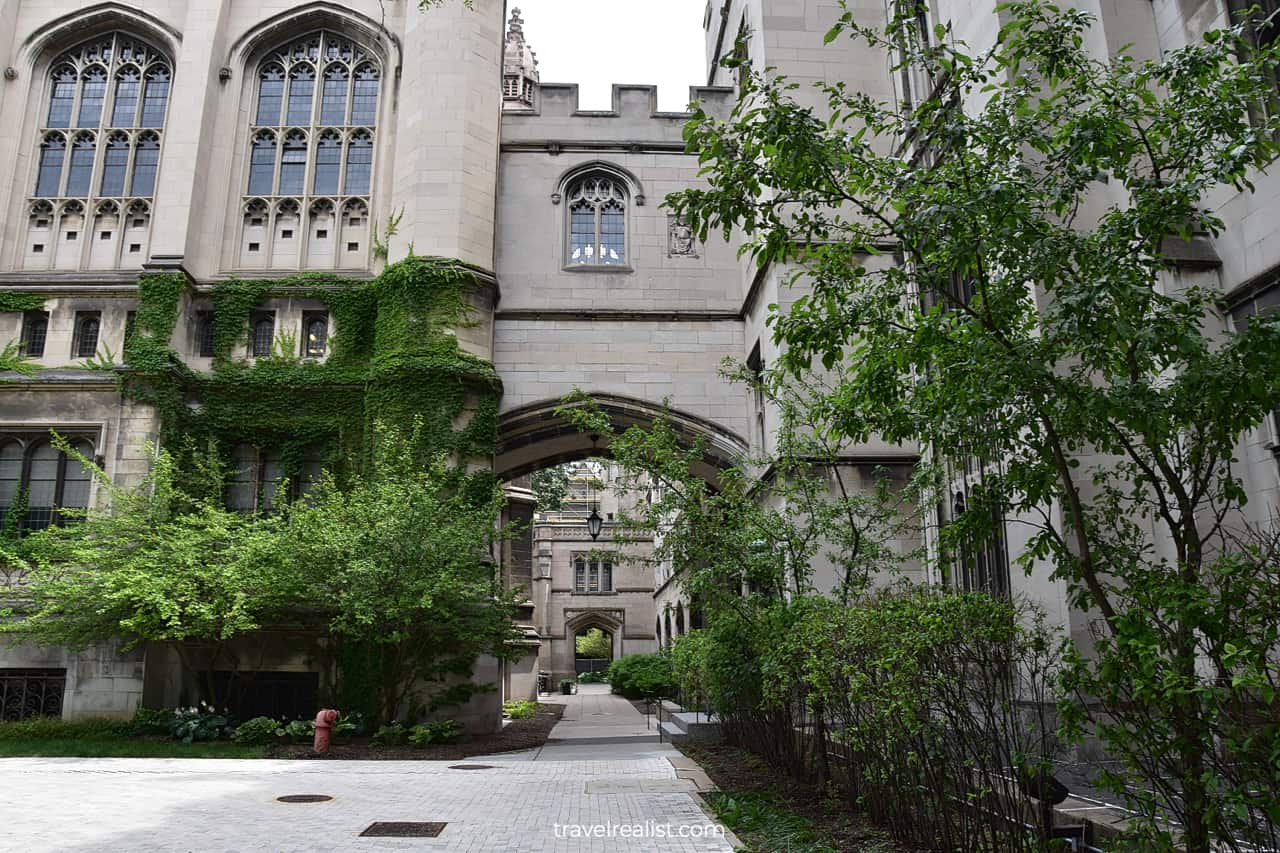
[(680, 239)]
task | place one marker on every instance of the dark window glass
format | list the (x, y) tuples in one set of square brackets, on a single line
[(146, 161), (270, 95), (264, 330), (582, 234), (272, 474), (76, 479), (125, 109), (317, 332), (114, 165), (156, 98), (50, 173), (62, 97), (364, 100), (293, 164), (328, 163), (359, 164), (242, 486), (80, 172), (35, 330), (580, 575), (262, 164), (10, 476), (42, 486), (302, 87), (87, 336), (92, 93), (204, 334), (333, 100), (613, 234)]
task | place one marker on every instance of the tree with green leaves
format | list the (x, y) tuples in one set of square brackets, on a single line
[(155, 564), (550, 487), (986, 271), (593, 644), (400, 557)]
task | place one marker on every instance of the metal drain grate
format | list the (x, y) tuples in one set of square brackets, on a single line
[(402, 829), (470, 766), (304, 798)]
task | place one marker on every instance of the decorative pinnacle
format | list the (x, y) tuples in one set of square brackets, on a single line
[(516, 28)]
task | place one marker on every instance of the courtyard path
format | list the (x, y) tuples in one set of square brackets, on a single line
[(601, 782)]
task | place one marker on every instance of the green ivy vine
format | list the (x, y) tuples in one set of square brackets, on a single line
[(12, 300), (393, 357)]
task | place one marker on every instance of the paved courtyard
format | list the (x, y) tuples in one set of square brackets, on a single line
[(614, 785)]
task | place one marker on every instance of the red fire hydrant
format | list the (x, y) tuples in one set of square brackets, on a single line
[(325, 721)]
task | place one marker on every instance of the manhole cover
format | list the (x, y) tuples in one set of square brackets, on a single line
[(304, 798), (403, 829), (470, 766)]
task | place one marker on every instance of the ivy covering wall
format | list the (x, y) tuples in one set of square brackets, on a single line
[(393, 356)]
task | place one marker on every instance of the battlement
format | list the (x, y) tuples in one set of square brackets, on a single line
[(556, 114)]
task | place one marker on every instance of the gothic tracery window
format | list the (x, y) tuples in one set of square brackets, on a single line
[(98, 153), (597, 222), (310, 155)]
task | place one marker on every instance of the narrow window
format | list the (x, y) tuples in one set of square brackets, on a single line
[(302, 87), (597, 222), (35, 330), (242, 485), (270, 95), (80, 171), (125, 109), (52, 151), (42, 486), (316, 332), (62, 98), (359, 163), (93, 92), (10, 477), (293, 164), (333, 100), (146, 162), (262, 164), (156, 98), (328, 162), (204, 334), (264, 331), (364, 100), (580, 574), (114, 165), (86, 337)]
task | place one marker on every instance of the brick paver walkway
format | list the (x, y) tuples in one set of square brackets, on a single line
[(544, 800)]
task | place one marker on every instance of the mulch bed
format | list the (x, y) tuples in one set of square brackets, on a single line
[(528, 733), (736, 770)]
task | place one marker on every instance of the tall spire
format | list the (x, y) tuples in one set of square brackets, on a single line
[(519, 67)]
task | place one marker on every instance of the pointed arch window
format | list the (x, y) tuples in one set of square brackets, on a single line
[(312, 143), (107, 99), (597, 222)]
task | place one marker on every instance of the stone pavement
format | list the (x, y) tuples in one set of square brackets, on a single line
[(629, 791)]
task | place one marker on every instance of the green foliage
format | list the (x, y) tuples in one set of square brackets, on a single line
[(125, 748), (256, 732), (1034, 299), (401, 557), (550, 487), (593, 644), (298, 731), (766, 823), (440, 731), (196, 724), (642, 676), (392, 734), (518, 709), (13, 358), (591, 678), (149, 721), (159, 296), (12, 300), (103, 359), (56, 728)]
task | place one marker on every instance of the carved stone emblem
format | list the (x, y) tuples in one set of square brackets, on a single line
[(680, 240)]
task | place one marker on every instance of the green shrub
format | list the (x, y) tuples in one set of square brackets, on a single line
[(642, 676), (591, 678), (150, 722), (392, 734), (256, 732), (196, 724), (441, 731), (299, 731), (55, 728), (519, 709)]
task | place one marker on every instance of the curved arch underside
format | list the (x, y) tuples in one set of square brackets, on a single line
[(533, 437)]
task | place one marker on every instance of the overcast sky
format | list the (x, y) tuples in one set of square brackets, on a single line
[(596, 43)]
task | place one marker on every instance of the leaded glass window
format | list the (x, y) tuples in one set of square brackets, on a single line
[(311, 149), (264, 333), (39, 480), (597, 222)]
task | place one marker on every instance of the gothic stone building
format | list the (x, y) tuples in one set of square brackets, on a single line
[(228, 139)]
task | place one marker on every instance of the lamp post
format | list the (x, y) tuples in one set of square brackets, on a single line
[(594, 521)]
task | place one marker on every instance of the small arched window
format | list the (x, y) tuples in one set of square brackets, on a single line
[(80, 170), (146, 163), (311, 144), (115, 163), (597, 206), (87, 336), (317, 334), (49, 177), (264, 333)]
